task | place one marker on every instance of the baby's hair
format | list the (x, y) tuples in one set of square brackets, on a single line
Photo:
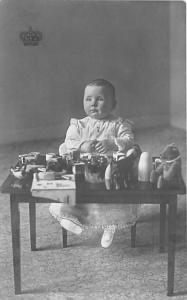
[(104, 83)]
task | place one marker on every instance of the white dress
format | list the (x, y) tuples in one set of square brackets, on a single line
[(117, 131), (114, 129)]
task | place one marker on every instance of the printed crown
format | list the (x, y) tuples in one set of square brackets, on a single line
[(30, 37)]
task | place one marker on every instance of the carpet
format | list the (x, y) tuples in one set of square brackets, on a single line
[(84, 270)]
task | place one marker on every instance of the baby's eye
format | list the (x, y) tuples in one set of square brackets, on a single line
[(88, 99), (100, 99)]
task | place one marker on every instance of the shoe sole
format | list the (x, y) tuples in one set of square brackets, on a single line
[(71, 226), (105, 243), (67, 224)]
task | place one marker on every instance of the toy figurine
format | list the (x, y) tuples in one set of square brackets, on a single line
[(95, 167), (167, 174), (124, 172)]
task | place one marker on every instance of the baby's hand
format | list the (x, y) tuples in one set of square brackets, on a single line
[(88, 146), (105, 146)]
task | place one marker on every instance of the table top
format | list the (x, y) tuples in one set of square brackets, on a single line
[(86, 189)]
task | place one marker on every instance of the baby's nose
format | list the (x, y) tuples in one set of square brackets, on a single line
[(94, 101)]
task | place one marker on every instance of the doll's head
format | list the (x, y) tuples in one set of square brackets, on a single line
[(99, 99)]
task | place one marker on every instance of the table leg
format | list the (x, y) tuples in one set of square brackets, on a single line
[(172, 215), (162, 226), (15, 226), (64, 238), (32, 217), (133, 236)]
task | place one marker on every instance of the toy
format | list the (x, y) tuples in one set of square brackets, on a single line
[(145, 167), (18, 172), (167, 174), (124, 172), (32, 158), (108, 174), (95, 166), (57, 164)]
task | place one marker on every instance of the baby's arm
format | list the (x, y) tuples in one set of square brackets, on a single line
[(124, 136), (73, 139), (122, 140)]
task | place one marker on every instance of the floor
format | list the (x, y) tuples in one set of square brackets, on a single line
[(84, 270)]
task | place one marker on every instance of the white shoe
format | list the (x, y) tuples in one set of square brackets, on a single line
[(55, 210), (108, 236), (72, 224), (67, 221)]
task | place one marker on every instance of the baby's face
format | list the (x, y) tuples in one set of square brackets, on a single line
[(98, 102)]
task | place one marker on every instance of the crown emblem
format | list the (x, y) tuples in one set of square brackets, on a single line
[(31, 37)]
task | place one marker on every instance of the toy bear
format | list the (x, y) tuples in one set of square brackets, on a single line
[(167, 174), (125, 170)]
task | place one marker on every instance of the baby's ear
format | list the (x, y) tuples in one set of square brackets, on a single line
[(114, 104)]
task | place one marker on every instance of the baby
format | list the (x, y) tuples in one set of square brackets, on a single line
[(99, 132)]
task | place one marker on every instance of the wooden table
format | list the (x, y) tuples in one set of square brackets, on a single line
[(85, 194)]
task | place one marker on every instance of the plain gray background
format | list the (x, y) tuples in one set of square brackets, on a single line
[(139, 46)]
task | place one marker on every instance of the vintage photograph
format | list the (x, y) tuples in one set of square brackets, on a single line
[(93, 150)]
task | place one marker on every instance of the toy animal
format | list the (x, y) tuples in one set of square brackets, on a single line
[(95, 168), (167, 174), (124, 172)]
